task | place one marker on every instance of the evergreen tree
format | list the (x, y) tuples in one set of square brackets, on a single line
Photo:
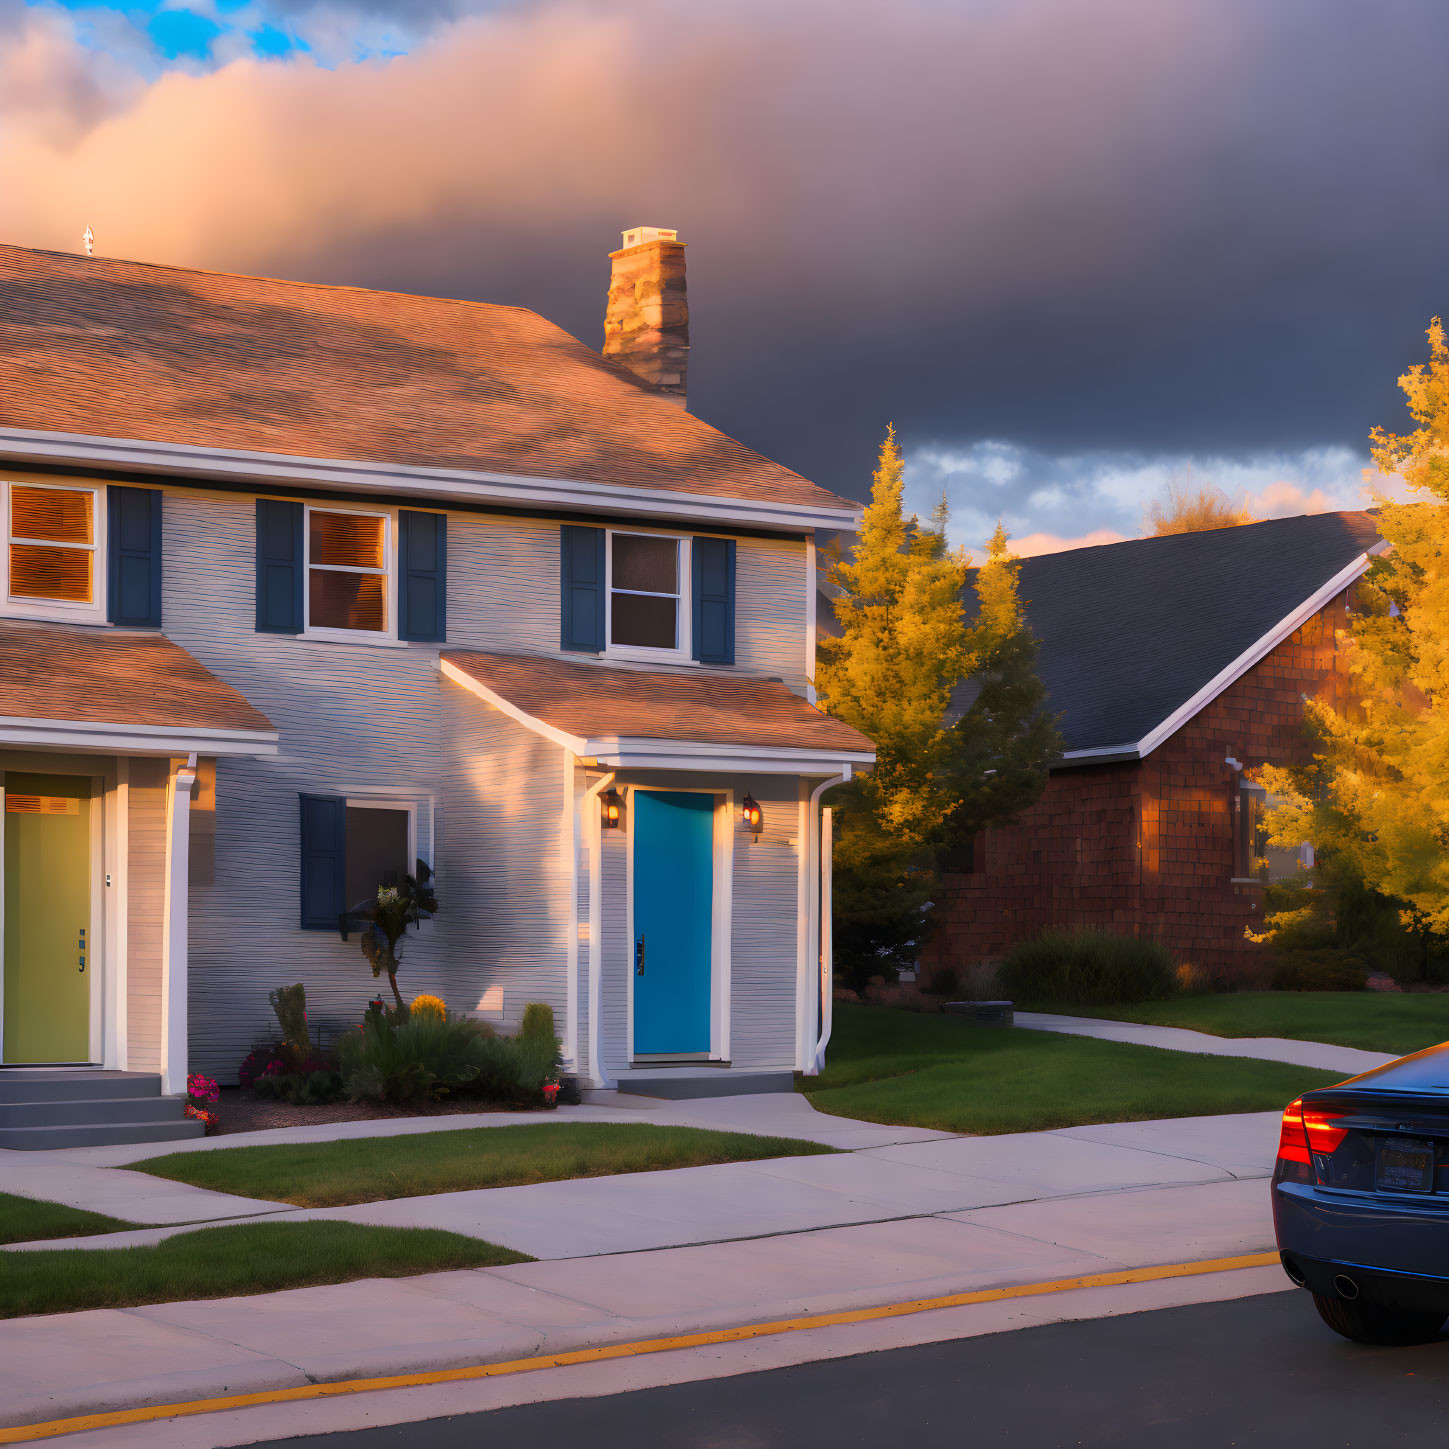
[(1000, 748), (1375, 798), (902, 650)]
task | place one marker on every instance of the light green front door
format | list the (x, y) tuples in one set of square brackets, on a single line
[(48, 959)]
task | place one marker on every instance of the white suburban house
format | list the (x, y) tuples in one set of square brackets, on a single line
[(305, 584)]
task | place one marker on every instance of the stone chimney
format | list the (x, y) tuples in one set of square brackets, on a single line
[(646, 325)]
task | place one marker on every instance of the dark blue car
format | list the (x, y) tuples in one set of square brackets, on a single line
[(1361, 1199)]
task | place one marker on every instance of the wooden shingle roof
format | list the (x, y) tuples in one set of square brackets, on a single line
[(126, 350), (595, 703), (72, 674)]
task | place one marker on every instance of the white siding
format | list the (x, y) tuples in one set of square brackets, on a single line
[(146, 912)]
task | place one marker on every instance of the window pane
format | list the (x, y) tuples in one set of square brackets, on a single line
[(377, 852), (63, 574), (62, 514), (640, 619), (347, 601), (650, 564), (347, 539)]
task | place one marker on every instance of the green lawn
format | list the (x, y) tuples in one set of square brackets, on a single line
[(369, 1169), (1377, 1021), (28, 1220), (938, 1071), (224, 1262)]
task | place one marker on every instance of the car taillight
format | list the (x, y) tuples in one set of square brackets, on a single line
[(1308, 1129), (1323, 1135), (1292, 1139)]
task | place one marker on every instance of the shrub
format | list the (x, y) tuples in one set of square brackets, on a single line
[(290, 1005), (314, 1085), (1087, 968), (257, 1064), (426, 1055), (538, 1022), (1326, 970)]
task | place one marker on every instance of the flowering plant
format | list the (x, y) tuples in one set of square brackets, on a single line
[(202, 1089), (210, 1120)]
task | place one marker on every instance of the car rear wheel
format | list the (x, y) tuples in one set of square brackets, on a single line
[(1373, 1323)]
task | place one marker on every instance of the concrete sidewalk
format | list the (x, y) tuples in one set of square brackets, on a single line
[(905, 1221), (1348, 1060)]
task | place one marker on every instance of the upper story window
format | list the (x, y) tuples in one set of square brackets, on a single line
[(648, 594), (53, 541), (349, 573)]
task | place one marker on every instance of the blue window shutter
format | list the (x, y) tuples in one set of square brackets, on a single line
[(279, 567), (714, 600), (583, 589), (423, 575), (133, 555), (324, 861)]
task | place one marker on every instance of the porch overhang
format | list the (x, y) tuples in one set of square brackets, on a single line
[(110, 691), (655, 719)]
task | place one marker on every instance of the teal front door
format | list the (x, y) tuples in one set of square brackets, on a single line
[(673, 922)]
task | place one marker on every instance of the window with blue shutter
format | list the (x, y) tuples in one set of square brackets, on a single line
[(324, 861), (714, 600), (133, 544), (583, 588), (279, 566), (423, 576)]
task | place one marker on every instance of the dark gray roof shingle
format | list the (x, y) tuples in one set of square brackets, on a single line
[(1131, 631)]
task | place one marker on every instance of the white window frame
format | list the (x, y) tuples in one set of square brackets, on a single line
[(684, 620), (58, 610), (388, 572)]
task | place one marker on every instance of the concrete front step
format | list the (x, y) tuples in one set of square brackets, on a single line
[(55, 1084), (685, 1084), (73, 1111), (98, 1134)]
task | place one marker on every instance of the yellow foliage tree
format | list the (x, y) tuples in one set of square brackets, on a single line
[(1377, 795), (1194, 508)]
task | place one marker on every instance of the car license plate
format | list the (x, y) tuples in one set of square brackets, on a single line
[(1404, 1164)]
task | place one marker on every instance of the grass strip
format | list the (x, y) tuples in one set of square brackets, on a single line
[(940, 1072), (1376, 1021), (32, 1220), (230, 1261), (371, 1169)]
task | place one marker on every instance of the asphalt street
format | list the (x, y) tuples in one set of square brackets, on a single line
[(1254, 1371)]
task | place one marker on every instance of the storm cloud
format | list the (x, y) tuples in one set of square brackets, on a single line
[(1156, 228)]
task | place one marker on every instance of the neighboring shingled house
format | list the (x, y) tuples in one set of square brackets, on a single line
[(1177, 666)]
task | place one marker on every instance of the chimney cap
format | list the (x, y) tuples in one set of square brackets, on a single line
[(636, 236)]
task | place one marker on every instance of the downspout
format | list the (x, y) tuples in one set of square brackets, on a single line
[(811, 1064), (827, 936), (597, 1074)]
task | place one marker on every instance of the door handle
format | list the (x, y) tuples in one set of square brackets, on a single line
[(639, 956)]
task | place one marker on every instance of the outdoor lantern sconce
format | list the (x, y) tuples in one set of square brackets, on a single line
[(611, 810), (752, 817)]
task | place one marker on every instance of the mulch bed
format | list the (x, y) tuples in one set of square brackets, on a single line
[(243, 1111)]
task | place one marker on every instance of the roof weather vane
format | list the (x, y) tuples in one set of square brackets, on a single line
[(90, 240)]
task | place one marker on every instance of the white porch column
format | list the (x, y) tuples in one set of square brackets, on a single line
[(174, 943)]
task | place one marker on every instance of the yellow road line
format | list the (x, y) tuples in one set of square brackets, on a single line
[(28, 1433)]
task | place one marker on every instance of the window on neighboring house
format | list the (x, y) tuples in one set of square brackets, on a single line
[(647, 596), (51, 549), (348, 572), (1254, 858)]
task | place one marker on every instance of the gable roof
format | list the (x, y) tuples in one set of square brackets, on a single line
[(660, 718), (80, 687), (205, 360), (1136, 637)]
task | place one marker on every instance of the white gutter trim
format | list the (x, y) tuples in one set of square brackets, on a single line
[(597, 1075), (827, 935), (808, 935), (465, 485), (635, 753), (133, 739), (1252, 655)]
